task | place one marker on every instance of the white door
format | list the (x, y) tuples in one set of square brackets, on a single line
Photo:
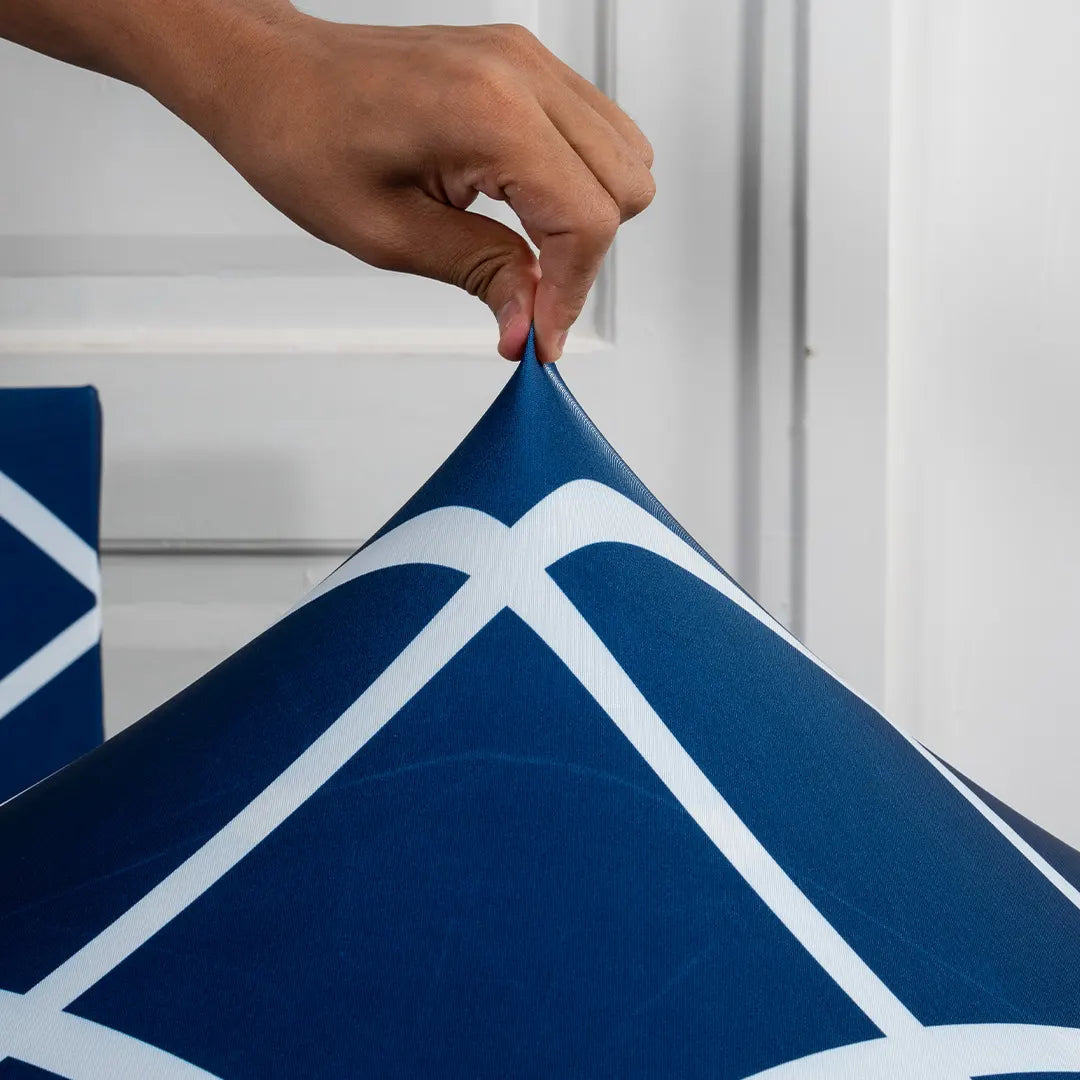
[(984, 396), (269, 401), (942, 501)]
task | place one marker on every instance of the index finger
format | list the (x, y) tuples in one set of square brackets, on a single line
[(572, 220), (608, 109)]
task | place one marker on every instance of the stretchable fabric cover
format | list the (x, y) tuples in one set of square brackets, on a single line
[(529, 788), (50, 626)]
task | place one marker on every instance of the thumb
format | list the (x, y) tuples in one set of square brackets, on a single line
[(475, 253)]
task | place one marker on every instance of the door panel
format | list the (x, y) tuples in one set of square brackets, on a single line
[(261, 386)]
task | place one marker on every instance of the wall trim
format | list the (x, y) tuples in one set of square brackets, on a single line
[(112, 546), (258, 341)]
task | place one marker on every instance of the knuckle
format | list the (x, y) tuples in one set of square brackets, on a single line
[(637, 140), (599, 225), (514, 40), (493, 85), (638, 196), (476, 271)]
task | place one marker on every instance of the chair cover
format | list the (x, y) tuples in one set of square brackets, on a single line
[(50, 663), (529, 787)]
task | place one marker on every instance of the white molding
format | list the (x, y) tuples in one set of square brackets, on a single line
[(147, 292), (606, 60), (771, 301), (220, 428), (169, 617), (289, 254), (847, 337), (166, 547), (259, 341)]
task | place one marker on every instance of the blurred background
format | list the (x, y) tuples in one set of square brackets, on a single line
[(841, 347)]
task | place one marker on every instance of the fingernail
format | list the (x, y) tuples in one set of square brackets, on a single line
[(506, 314), (560, 343)]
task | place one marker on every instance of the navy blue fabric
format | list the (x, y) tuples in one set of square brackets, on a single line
[(159, 789), (497, 884), (50, 445), (1063, 858), (60, 723), (40, 598), (18, 1070), (952, 919), (534, 438), (524, 898)]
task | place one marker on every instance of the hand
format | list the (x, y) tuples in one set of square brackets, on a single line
[(376, 139)]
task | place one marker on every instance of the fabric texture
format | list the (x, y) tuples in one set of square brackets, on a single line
[(529, 787), (50, 624)]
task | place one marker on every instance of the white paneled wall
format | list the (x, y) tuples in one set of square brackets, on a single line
[(170, 617), (267, 399), (259, 385), (234, 353), (984, 395), (846, 338)]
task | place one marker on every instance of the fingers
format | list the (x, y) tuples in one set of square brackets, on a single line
[(612, 160), (376, 139), (483, 257), (523, 127), (606, 108), (584, 182), (528, 52), (571, 218), (569, 265), (573, 172)]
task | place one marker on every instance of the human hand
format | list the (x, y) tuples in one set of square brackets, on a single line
[(377, 139)]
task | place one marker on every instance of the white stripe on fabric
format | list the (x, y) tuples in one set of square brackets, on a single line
[(51, 659), (576, 515), (45, 530), (506, 568), (1066, 888), (454, 625), (79, 1049), (563, 628), (943, 1053), (585, 512), (73, 554), (593, 513)]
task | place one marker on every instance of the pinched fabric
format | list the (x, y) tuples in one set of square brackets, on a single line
[(530, 787)]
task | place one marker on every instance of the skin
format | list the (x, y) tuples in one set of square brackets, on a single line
[(377, 139)]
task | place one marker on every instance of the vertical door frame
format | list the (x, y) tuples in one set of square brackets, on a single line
[(845, 409)]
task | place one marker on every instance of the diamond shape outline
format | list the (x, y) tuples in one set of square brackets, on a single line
[(38, 524)]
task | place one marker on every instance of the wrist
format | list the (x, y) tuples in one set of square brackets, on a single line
[(195, 56)]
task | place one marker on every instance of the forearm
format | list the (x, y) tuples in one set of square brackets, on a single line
[(183, 52)]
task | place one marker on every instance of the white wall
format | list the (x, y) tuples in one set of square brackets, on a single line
[(847, 206), (984, 395), (171, 617), (234, 353)]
